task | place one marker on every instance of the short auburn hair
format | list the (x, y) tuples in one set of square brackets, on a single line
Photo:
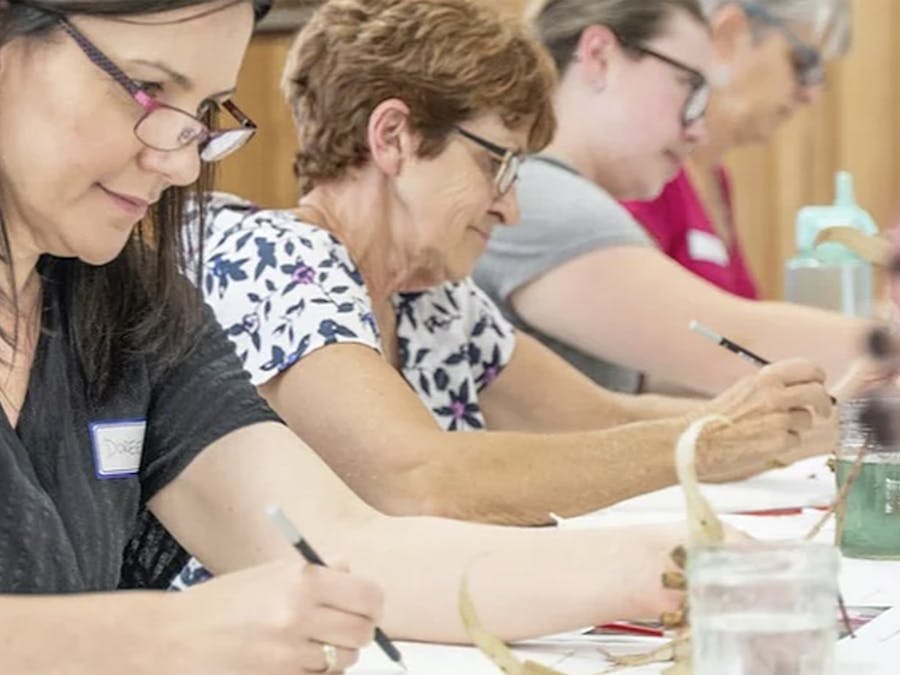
[(448, 60)]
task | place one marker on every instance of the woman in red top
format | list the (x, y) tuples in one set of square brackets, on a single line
[(770, 60)]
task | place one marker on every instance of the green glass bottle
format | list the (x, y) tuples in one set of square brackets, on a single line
[(872, 516)]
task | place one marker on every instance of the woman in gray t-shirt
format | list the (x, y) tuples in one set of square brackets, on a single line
[(579, 272)]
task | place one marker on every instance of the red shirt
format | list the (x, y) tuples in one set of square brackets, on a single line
[(684, 231)]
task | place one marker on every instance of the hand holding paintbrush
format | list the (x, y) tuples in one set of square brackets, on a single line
[(766, 414)]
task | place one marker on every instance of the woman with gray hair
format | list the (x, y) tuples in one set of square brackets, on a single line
[(769, 59)]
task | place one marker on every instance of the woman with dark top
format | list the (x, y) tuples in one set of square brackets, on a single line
[(119, 395)]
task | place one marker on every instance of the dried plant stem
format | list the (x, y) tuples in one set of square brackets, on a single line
[(845, 617), (839, 507)]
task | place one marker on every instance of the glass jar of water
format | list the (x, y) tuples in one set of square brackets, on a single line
[(763, 609)]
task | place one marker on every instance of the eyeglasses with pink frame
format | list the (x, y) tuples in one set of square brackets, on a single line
[(164, 127)]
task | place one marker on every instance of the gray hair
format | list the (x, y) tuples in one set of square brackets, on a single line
[(831, 20)]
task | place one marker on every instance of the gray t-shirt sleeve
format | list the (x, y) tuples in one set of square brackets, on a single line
[(563, 216)]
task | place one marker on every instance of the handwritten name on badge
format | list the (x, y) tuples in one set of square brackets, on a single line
[(118, 445)]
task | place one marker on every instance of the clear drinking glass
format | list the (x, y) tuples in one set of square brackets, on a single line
[(871, 527), (763, 609)]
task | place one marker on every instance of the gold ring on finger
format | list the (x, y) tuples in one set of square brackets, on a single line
[(331, 658)]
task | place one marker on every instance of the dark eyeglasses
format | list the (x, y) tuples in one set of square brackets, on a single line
[(698, 98), (808, 63), (510, 161), (164, 127)]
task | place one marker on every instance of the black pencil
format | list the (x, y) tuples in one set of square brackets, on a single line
[(734, 347), (298, 542), (712, 335)]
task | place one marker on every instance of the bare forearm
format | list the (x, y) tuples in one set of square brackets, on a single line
[(656, 406), (523, 582), (80, 634), (773, 330), (521, 478), (666, 297), (498, 477)]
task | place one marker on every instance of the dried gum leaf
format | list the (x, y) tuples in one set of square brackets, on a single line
[(682, 662), (674, 581), (703, 523), (679, 556), (492, 646), (678, 648), (872, 248), (674, 619), (679, 668), (532, 668)]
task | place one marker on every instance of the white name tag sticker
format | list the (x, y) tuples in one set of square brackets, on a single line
[(118, 445), (707, 247)]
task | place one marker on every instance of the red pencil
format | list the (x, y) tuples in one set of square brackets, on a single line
[(633, 628)]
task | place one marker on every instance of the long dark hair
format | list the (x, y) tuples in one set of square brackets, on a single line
[(139, 302)]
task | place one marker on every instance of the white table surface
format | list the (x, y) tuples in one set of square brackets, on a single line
[(875, 651)]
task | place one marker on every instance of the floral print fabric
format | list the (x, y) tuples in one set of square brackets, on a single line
[(283, 288)]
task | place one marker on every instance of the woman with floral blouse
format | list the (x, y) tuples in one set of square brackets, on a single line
[(355, 316)]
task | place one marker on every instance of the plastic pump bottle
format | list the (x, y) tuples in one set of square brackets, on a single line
[(830, 275)]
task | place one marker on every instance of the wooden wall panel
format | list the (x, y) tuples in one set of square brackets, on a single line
[(262, 171), (855, 126), (867, 112), (754, 203)]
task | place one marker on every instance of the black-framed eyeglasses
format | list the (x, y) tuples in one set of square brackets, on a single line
[(510, 161), (809, 65), (164, 127), (698, 97)]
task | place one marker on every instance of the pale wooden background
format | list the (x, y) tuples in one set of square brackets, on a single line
[(855, 126)]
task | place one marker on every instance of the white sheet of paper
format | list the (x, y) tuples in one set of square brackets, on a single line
[(876, 648), (806, 483), (575, 655)]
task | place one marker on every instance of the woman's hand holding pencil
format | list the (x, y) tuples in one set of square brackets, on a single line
[(274, 619), (305, 549), (766, 413)]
